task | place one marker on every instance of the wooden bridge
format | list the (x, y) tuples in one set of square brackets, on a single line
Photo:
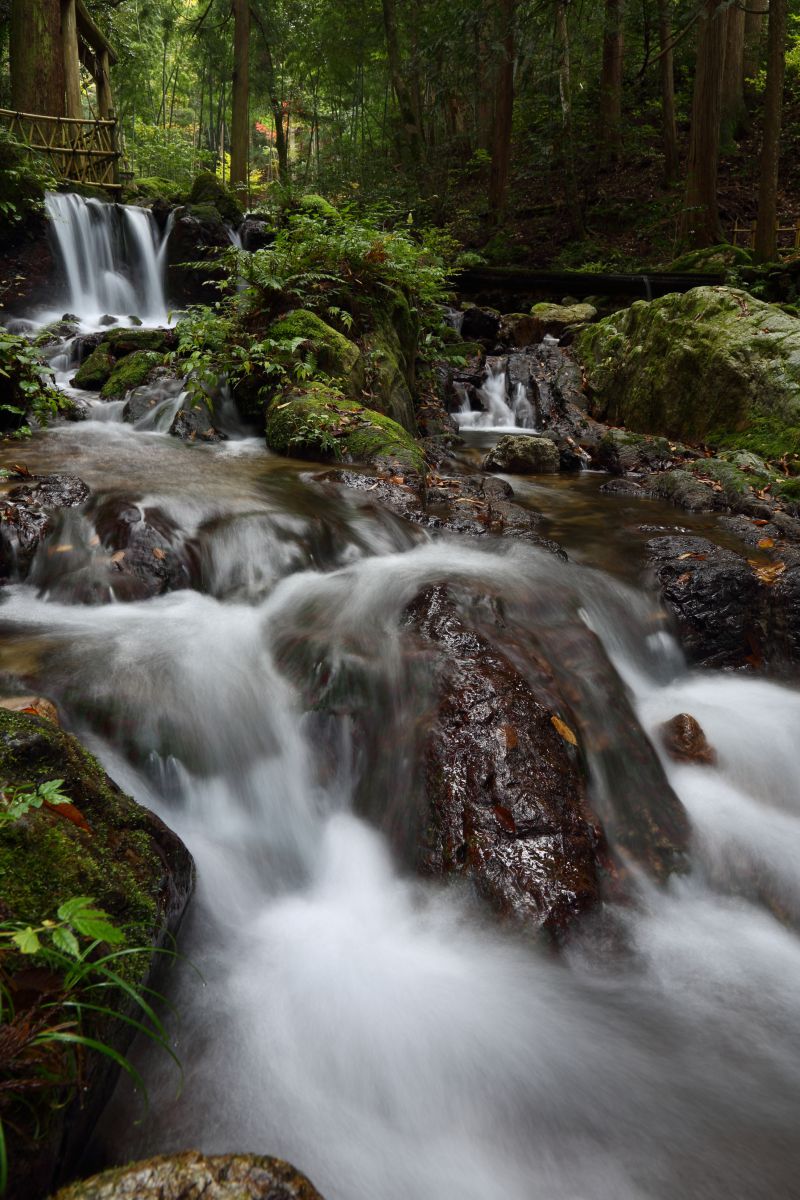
[(78, 149)]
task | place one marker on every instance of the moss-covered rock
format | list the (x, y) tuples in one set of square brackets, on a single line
[(208, 190), (103, 845), (559, 320), (95, 370), (388, 377), (711, 365), (148, 188), (130, 372), (124, 341), (335, 354), (318, 206), (191, 1175), (712, 259), (320, 423), (57, 331)]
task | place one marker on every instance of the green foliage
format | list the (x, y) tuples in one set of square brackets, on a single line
[(167, 155), (24, 179), (17, 801), (26, 393)]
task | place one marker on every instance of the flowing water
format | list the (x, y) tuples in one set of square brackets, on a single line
[(386, 1034)]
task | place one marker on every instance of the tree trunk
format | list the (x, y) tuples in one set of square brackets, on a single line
[(37, 58), (611, 83), (240, 122), (504, 109), (72, 65), (700, 223), (734, 110), (753, 36), (409, 130), (567, 148), (766, 236), (669, 132)]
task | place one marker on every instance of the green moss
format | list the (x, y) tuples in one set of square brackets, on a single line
[(335, 354), (456, 351), (56, 331), (94, 371), (765, 435), (319, 423), (153, 188), (712, 259), (388, 377), (131, 372), (207, 189), (125, 341), (320, 207)]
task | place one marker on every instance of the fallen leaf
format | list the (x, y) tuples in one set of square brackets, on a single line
[(510, 734), (70, 813), (684, 578), (95, 541), (118, 557), (63, 549), (766, 544), (158, 552), (397, 479), (564, 730), (504, 818), (767, 574)]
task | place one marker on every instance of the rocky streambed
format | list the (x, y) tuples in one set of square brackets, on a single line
[(496, 886)]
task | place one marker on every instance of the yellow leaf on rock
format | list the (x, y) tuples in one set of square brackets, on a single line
[(766, 544), (564, 730)]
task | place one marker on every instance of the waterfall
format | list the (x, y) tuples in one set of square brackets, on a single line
[(505, 406), (113, 257)]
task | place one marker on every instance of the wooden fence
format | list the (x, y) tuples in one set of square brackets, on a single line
[(788, 235), (78, 151)]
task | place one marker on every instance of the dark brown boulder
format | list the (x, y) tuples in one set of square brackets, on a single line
[(684, 741), (190, 1175), (713, 595), (27, 515), (504, 782)]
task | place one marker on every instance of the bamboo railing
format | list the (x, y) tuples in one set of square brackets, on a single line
[(78, 150), (788, 235)]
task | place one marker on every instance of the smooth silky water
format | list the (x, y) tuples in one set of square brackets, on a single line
[(388, 1035)]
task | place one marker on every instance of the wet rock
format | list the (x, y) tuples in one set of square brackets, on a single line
[(107, 320), (146, 548), (505, 790), (102, 845), (480, 325), (131, 372), (560, 321), (683, 489), (623, 487), (684, 741), (256, 234), (523, 455), (713, 595), (94, 371), (127, 341), (27, 517), (783, 608), (194, 424), (190, 1176), (519, 330), (621, 452)]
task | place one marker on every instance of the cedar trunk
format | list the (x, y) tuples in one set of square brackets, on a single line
[(567, 148), (37, 58), (766, 236), (668, 128), (240, 122), (734, 110), (753, 36), (701, 224), (611, 83), (409, 130), (504, 110)]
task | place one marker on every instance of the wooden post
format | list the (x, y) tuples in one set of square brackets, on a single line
[(105, 101), (72, 65)]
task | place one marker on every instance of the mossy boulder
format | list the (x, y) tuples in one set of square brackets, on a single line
[(125, 341), (711, 365), (190, 1175), (321, 424), (57, 331), (318, 206), (102, 845), (559, 320), (335, 354), (95, 370), (712, 259), (129, 373), (389, 376), (148, 188), (208, 190)]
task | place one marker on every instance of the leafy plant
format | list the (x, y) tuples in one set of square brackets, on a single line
[(26, 391), (18, 801)]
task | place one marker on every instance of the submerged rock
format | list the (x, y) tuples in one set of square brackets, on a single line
[(104, 845), (195, 424), (27, 517), (192, 1176), (524, 455), (504, 782)]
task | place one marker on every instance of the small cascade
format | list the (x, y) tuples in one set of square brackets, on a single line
[(505, 406), (113, 257)]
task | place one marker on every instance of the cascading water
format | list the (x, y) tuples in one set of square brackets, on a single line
[(380, 1031), (505, 407), (113, 257)]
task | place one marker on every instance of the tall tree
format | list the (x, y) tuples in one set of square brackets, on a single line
[(409, 130), (240, 122), (753, 36), (766, 234), (669, 133), (611, 82), (734, 110), (701, 224), (567, 147), (504, 112), (37, 57)]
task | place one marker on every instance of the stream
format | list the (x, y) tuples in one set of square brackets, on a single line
[(385, 1033)]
